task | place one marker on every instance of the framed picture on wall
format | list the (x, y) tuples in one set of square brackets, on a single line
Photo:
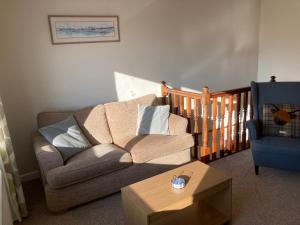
[(83, 29)]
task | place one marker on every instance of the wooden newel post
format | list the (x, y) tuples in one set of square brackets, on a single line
[(204, 150), (164, 92), (273, 79), (196, 129)]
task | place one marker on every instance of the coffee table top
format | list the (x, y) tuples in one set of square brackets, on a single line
[(156, 193)]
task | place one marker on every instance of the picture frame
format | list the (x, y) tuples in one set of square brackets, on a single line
[(71, 29)]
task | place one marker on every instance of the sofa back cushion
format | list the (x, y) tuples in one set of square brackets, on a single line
[(48, 118), (91, 120), (94, 124), (122, 116)]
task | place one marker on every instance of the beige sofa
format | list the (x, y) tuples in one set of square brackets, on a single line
[(118, 157)]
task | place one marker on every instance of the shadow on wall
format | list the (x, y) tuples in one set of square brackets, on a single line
[(191, 49)]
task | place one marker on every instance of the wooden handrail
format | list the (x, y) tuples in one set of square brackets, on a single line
[(217, 118), (166, 90), (217, 139), (230, 92)]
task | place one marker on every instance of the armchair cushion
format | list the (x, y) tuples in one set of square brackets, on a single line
[(96, 161), (254, 129), (278, 146), (144, 148), (277, 152)]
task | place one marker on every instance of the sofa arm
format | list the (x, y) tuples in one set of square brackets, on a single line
[(47, 155), (177, 124), (253, 127)]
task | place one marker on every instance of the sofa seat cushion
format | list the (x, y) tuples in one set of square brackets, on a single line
[(277, 145), (95, 161), (144, 148)]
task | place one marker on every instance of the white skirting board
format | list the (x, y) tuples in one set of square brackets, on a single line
[(30, 176)]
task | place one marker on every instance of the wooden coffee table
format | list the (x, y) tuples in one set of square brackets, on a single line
[(206, 199)]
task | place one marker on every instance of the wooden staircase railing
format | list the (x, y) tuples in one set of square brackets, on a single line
[(227, 111), (221, 115), (185, 104)]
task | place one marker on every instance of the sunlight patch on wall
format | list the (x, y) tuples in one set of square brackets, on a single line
[(129, 87)]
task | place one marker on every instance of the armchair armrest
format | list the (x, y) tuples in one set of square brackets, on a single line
[(253, 127), (47, 155), (177, 124)]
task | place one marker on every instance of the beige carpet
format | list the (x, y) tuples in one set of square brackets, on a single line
[(272, 198)]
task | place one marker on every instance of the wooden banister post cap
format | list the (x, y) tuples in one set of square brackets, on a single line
[(273, 79), (205, 96), (164, 89), (205, 89)]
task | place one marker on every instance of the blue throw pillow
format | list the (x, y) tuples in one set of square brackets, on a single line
[(153, 120), (66, 136)]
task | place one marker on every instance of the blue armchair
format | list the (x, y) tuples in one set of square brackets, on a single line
[(273, 151)]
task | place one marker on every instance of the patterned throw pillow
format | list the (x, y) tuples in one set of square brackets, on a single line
[(281, 120)]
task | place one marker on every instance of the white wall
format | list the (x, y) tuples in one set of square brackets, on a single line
[(279, 52), (189, 43)]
